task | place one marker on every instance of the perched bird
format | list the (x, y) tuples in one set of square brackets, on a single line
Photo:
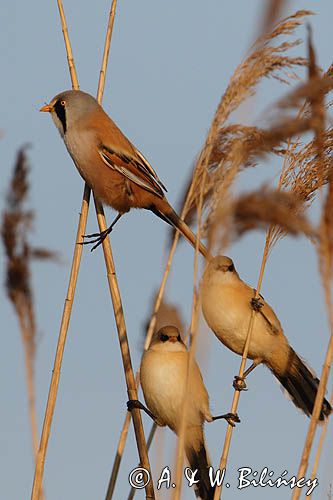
[(114, 169), (227, 303), (163, 374)]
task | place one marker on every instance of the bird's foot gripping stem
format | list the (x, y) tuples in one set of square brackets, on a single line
[(135, 403), (239, 383), (100, 237), (231, 418)]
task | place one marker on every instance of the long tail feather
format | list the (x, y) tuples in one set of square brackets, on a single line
[(301, 385), (197, 456), (172, 218)]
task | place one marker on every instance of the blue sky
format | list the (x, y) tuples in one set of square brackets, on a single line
[(169, 64)]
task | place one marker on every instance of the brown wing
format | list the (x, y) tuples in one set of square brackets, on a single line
[(135, 168)]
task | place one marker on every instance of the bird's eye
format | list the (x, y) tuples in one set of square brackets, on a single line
[(63, 103), (178, 338), (231, 268), (164, 338)]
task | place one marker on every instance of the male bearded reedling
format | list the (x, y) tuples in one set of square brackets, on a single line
[(163, 374), (226, 305), (114, 169)]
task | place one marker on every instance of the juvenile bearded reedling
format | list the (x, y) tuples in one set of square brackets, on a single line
[(112, 167), (163, 373), (227, 304)]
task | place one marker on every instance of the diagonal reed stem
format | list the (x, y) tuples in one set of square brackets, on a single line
[(124, 347), (149, 442), (319, 398), (118, 456), (320, 447), (202, 163), (107, 43), (39, 470), (115, 293), (192, 350), (234, 406), (150, 331), (235, 401)]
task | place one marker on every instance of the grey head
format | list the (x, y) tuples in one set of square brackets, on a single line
[(70, 107)]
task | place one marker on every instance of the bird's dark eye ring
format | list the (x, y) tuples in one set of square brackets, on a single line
[(178, 338), (63, 103), (164, 338), (231, 268)]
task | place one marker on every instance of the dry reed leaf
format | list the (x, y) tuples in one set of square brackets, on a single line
[(261, 208), (326, 230), (309, 91)]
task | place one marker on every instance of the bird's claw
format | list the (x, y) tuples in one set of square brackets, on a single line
[(239, 383), (232, 419), (256, 304), (133, 403), (99, 240), (94, 235)]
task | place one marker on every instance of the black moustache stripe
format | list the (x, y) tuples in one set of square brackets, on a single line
[(61, 114)]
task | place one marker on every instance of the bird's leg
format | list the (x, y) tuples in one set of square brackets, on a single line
[(231, 418), (239, 383), (100, 237), (135, 403)]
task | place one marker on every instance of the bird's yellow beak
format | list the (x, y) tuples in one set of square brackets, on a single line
[(46, 109)]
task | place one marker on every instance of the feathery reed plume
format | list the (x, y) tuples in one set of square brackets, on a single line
[(16, 224), (264, 61), (263, 207), (303, 173)]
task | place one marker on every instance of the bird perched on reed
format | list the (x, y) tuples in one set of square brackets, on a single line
[(227, 304), (115, 170), (163, 373)]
